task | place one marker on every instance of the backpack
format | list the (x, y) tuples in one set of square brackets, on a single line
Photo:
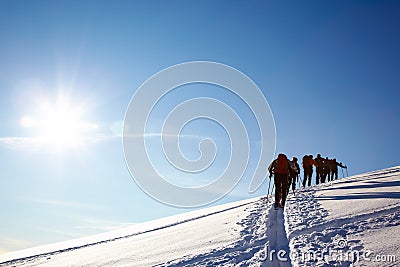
[(293, 168), (306, 162), (326, 164), (281, 166), (320, 163)]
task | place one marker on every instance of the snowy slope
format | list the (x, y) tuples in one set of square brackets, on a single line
[(360, 214), (355, 215)]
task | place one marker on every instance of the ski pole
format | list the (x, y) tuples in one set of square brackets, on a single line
[(269, 184), (347, 173), (342, 172), (273, 185), (295, 184), (298, 182)]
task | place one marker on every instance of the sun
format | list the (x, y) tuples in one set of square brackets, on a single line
[(59, 124), (62, 126)]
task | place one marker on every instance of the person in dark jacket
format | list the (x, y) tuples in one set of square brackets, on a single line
[(320, 169), (294, 172), (308, 163), (334, 170), (326, 172)]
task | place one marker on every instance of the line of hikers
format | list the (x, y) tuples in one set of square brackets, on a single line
[(286, 173)]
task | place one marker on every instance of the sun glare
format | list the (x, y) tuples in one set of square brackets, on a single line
[(60, 125)]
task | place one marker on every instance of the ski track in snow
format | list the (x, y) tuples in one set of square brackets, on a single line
[(277, 240)]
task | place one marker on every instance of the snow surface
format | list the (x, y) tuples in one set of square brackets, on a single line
[(348, 222), (361, 212)]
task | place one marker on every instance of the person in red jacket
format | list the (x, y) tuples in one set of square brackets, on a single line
[(280, 169)]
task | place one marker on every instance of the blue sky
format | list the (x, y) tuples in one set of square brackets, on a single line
[(329, 70)]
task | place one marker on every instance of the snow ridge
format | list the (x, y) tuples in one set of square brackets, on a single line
[(83, 243)]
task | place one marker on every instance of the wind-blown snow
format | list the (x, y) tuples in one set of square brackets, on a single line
[(357, 217)]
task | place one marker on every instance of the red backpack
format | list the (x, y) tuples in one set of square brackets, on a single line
[(306, 162), (281, 165)]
